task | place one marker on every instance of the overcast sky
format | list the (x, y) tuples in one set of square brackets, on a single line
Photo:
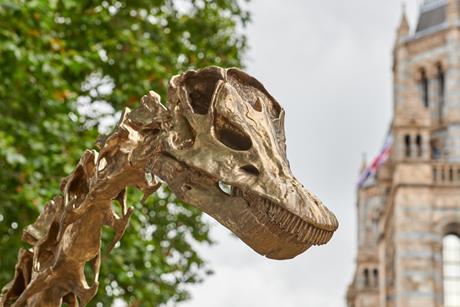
[(329, 64)]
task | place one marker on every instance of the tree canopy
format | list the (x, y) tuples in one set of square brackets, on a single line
[(66, 68)]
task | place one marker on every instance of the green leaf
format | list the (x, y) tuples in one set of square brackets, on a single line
[(50, 53)]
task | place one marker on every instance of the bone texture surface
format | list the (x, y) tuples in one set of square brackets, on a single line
[(220, 146)]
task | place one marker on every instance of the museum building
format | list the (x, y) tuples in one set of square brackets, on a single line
[(408, 198)]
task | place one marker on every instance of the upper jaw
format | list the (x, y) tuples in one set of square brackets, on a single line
[(299, 213)]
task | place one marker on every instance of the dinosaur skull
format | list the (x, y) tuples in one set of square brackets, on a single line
[(220, 147), (225, 154)]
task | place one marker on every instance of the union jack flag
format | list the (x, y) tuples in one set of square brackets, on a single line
[(372, 169)]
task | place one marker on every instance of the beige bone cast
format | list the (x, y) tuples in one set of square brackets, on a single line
[(220, 146)]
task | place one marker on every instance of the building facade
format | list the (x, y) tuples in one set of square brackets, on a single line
[(409, 210)]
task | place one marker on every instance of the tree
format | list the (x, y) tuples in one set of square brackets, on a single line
[(65, 67)]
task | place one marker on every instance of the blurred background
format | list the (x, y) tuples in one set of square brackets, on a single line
[(329, 64), (68, 67)]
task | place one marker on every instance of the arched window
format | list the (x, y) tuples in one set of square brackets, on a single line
[(451, 270), (418, 141), (435, 149), (424, 88), (366, 278), (441, 88), (407, 145), (376, 277)]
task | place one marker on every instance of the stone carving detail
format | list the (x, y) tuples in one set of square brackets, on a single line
[(220, 146)]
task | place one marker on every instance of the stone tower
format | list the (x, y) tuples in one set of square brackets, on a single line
[(409, 210)]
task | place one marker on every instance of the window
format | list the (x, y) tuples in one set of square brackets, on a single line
[(366, 278), (407, 148), (424, 87), (435, 149), (451, 270), (376, 278), (418, 141), (441, 87)]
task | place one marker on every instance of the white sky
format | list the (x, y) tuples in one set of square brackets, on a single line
[(329, 64)]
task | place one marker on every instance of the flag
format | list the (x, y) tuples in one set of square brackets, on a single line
[(372, 169)]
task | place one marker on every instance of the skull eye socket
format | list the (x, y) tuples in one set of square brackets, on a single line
[(231, 135), (200, 88)]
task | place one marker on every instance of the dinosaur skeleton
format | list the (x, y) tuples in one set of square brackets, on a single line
[(220, 146)]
